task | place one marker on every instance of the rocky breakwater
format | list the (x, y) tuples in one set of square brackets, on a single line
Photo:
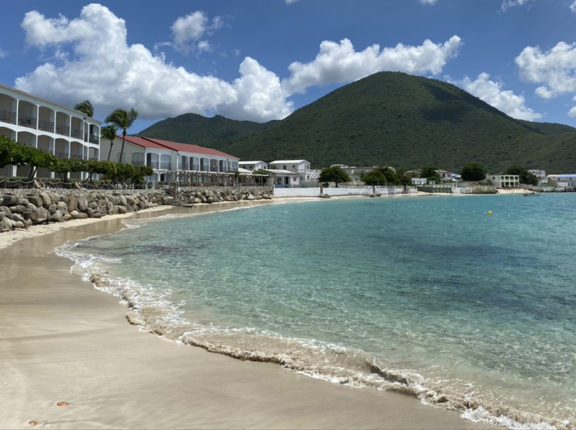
[(192, 196), (21, 209)]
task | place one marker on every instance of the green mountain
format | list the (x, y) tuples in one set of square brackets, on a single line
[(199, 130), (408, 122)]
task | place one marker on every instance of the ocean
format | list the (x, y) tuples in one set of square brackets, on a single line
[(467, 303)]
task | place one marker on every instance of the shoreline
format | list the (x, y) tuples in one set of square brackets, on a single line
[(64, 341)]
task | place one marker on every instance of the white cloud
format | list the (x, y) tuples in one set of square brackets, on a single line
[(573, 6), (3, 53), (429, 2), (290, 1), (507, 4), (504, 100), (188, 30), (100, 66), (555, 69), (92, 60), (340, 62)]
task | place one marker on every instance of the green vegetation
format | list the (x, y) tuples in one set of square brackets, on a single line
[(393, 119), (385, 176), (122, 119), (215, 132), (525, 176), (109, 132), (334, 174), (430, 173), (15, 154), (86, 108), (473, 172)]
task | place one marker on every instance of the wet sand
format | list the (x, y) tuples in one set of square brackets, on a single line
[(63, 341)]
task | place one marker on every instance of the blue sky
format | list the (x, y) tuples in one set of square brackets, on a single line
[(262, 59)]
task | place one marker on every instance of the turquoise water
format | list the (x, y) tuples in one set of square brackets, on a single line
[(438, 297)]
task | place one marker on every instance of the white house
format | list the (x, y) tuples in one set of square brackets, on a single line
[(504, 181), (173, 161), (419, 181), (296, 166), (300, 167), (540, 174), (284, 178), (563, 180), (66, 133), (253, 165)]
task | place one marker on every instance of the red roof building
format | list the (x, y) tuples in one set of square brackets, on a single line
[(170, 160)]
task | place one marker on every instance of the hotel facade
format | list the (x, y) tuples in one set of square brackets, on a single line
[(174, 162), (66, 133)]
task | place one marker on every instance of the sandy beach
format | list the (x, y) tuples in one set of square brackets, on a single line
[(69, 359)]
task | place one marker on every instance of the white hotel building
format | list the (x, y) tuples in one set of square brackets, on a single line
[(61, 131)]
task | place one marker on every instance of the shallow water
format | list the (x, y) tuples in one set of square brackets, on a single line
[(438, 297)]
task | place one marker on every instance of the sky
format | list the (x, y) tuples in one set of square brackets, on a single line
[(260, 60)]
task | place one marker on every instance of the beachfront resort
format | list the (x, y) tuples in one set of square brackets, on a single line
[(170, 275)]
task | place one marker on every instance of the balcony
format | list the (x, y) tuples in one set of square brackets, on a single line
[(77, 133), (63, 130), (7, 116), (93, 139), (27, 121), (76, 157), (46, 125), (61, 155)]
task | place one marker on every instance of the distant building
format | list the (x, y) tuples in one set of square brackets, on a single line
[(419, 181), (540, 174), (253, 165), (355, 173), (563, 180), (284, 178), (284, 171), (63, 132), (446, 176), (504, 181), (173, 161)]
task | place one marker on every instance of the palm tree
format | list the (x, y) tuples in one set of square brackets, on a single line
[(86, 108), (122, 119), (109, 132)]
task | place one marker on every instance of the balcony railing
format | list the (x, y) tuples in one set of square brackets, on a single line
[(93, 139), (27, 121), (61, 155), (46, 125), (77, 133), (76, 157), (63, 130), (153, 164), (7, 116)]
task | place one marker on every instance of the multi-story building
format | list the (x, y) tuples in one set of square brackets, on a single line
[(563, 180), (253, 165), (540, 174), (504, 181), (173, 161), (61, 131)]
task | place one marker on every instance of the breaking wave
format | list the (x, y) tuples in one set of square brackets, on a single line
[(159, 312)]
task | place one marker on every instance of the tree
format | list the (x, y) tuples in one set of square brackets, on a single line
[(86, 108), (525, 176), (375, 177), (124, 120), (334, 174), (430, 173), (109, 132), (473, 172), (381, 176)]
